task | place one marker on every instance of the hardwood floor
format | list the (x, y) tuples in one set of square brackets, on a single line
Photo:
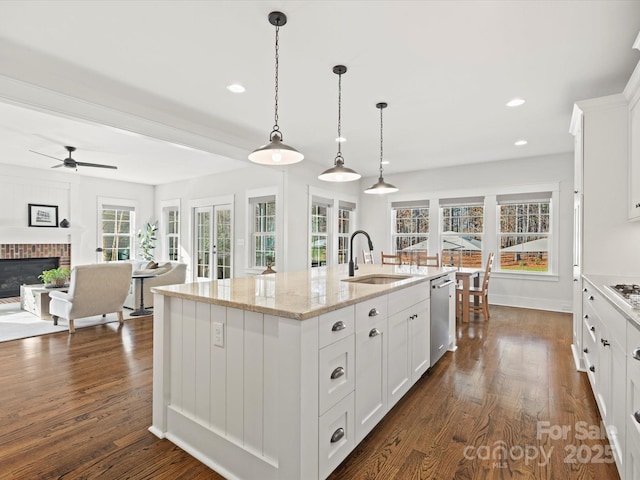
[(78, 407)]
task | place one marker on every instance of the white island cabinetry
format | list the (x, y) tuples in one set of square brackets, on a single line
[(258, 380)]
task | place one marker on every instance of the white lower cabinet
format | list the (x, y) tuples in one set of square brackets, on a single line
[(632, 411), (371, 365), (604, 346), (419, 333)]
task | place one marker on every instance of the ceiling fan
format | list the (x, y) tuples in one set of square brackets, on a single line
[(71, 163)]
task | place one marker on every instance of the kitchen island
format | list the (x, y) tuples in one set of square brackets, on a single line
[(280, 376)]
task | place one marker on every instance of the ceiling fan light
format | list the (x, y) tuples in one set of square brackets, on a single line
[(275, 153), (381, 187)]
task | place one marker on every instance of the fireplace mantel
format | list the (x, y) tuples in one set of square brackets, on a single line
[(39, 234)]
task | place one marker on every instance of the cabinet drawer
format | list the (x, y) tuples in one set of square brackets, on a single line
[(612, 320), (336, 325), (336, 435), (591, 325), (369, 312), (336, 370), (405, 298)]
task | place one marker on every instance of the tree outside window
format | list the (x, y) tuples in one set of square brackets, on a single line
[(524, 236), (462, 228), (117, 233), (264, 232), (319, 234), (411, 231)]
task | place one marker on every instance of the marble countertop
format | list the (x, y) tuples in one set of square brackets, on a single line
[(603, 282), (302, 294)]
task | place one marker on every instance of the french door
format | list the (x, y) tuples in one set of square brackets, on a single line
[(213, 246)]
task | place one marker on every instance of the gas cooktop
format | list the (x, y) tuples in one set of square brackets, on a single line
[(630, 292)]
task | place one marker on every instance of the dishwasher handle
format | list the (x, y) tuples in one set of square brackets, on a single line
[(444, 284)]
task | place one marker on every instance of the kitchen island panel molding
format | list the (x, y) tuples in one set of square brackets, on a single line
[(243, 391)]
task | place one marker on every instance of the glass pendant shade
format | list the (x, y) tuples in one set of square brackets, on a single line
[(275, 153), (339, 173)]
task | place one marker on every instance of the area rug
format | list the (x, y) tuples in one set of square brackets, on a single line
[(16, 323)]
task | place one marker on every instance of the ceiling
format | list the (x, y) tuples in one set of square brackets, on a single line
[(159, 69)]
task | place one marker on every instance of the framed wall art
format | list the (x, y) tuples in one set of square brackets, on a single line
[(43, 215)]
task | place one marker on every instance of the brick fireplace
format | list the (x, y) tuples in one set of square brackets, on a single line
[(17, 251)]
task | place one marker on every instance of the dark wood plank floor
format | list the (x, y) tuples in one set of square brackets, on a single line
[(78, 407)]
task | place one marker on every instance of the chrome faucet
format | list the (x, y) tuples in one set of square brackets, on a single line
[(351, 265)]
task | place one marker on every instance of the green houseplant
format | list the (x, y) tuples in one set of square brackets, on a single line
[(56, 277), (147, 239)]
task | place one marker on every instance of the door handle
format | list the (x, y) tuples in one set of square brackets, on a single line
[(636, 353), (374, 312), (374, 332), (445, 284), (337, 435), (338, 326)]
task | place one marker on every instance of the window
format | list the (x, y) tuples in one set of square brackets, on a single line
[(264, 231), (524, 232), (319, 233), (117, 232), (345, 226), (410, 222), (462, 228), (172, 233)]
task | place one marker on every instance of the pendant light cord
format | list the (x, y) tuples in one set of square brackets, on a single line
[(381, 143), (339, 117), (276, 128)]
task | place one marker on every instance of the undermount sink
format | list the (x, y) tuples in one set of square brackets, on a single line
[(376, 279)]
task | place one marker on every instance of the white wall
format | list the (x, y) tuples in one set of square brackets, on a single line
[(77, 199), (549, 293)]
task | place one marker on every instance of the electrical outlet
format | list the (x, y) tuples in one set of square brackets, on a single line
[(218, 334)]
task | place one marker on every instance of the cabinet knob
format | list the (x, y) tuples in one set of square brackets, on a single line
[(585, 350), (592, 368), (338, 326), (585, 316), (374, 312), (636, 353), (337, 435), (636, 415), (374, 332), (337, 373), (590, 297), (584, 289), (604, 342), (592, 328)]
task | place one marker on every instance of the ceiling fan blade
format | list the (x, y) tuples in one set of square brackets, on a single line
[(45, 155), (84, 164), (58, 166)]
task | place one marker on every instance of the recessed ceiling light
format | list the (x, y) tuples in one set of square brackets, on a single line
[(236, 88), (520, 143), (341, 139), (516, 102)]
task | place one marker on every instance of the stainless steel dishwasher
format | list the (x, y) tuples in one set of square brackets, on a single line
[(442, 288)]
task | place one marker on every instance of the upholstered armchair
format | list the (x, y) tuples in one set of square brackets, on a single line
[(93, 290)]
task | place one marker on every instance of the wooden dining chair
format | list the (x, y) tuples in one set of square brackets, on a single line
[(390, 259), (367, 256), (428, 260), (481, 292)]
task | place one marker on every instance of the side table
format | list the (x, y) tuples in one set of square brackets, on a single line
[(141, 310)]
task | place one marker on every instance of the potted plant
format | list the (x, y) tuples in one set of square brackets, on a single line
[(147, 238), (56, 277)]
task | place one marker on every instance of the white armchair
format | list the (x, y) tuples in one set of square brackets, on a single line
[(93, 290)]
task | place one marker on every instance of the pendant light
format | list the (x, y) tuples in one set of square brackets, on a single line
[(339, 173), (381, 187), (276, 152)]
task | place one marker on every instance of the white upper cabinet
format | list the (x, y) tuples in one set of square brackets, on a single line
[(632, 93)]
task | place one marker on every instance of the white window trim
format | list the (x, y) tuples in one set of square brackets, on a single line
[(272, 191), (118, 202), (332, 229), (165, 206), (490, 242)]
